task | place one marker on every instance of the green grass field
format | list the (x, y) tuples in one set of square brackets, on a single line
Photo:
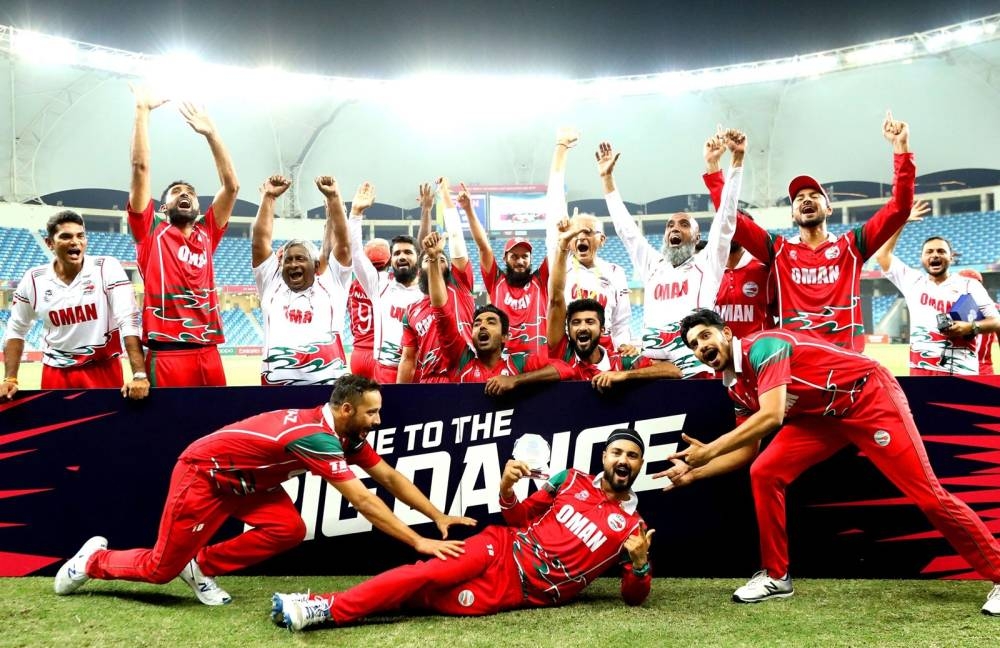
[(679, 612), (243, 370)]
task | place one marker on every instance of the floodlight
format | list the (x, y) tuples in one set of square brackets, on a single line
[(41, 48)]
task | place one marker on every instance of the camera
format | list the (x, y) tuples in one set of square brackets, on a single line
[(944, 322)]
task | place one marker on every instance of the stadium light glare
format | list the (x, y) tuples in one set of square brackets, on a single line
[(33, 47), (880, 53)]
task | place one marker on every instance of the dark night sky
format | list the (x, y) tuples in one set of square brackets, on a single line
[(383, 38)]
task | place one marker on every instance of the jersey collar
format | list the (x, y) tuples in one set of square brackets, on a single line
[(729, 375), (629, 505)]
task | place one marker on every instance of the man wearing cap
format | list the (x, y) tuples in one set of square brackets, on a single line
[(303, 293), (936, 350), (816, 399), (816, 276), (675, 278), (517, 290), (554, 544), (360, 314)]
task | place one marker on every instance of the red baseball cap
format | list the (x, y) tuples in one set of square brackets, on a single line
[(805, 182), (514, 242), (378, 253)]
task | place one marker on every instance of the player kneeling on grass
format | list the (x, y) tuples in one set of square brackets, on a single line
[(237, 472), (822, 398), (556, 543)]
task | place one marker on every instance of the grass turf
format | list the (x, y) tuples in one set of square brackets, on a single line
[(679, 612)]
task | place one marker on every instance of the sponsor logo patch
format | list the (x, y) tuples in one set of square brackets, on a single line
[(466, 598), (882, 438)]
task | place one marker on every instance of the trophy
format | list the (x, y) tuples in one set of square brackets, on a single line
[(533, 450)]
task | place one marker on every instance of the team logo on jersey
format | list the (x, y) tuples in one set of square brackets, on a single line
[(750, 289), (616, 521), (88, 288), (47, 295), (466, 598), (794, 254), (582, 496), (882, 438), (832, 253)]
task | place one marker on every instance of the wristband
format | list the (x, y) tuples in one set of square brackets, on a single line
[(10, 379), (641, 571), (975, 327), (140, 375)]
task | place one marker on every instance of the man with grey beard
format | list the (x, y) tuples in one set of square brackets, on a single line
[(677, 279)]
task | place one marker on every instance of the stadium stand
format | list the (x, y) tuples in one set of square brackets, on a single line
[(881, 305), (18, 252)]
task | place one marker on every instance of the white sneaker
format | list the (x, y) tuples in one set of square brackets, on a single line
[(300, 614), (205, 587), (762, 587), (992, 604), (72, 575), (280, 601)]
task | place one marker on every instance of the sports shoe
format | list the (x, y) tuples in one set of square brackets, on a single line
[(72, 575), (280, 601), (205, 587), (300, 614), (762, 587), (992, 604)]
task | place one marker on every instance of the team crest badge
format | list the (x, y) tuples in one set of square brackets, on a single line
[(882, 438), (750, 289), (466, 598), (88, 288), (47, 295), (616, 521), (832, 253), (582, 496)]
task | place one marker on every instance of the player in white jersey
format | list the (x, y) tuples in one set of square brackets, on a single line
[(87, 307), (390, 295), (587, 275), (676, 279), (935, 351), (303, 293)]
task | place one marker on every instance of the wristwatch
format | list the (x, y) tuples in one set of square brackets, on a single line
[(140, 375)]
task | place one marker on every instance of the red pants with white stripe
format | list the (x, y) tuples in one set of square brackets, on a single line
[(880, 425), (194, 511), (483, 580)]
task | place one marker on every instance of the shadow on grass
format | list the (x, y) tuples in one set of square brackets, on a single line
[(160, 599)]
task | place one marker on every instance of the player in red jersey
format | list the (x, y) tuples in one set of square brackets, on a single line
[(816, 276), (517, 290), (488, 360), (988, 340), (361, 315), (238, 471), (574, 330), (174, 248), (554, 544), (88, 310), (743, 300), (817, 398)]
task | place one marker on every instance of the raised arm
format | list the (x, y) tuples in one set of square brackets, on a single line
[(263, 224), (892, 216), (433, 247), (486, 258), (639, 249), (556, 324), (555, 197), (720, 233), (336, 238), (884, 255), (426, 200), (145, 102), (225, 199), (453, 227)]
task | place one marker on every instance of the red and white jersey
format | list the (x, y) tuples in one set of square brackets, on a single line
[(583, 370), (526, 307), (258, 453), (607, 283), (303, 343), (179, 301), (742, 300), (421, 331), (925, 299), (84, 320), (670, 293), (389, 300), (822, 379), (569, 533), (360, 315), (818, 291)]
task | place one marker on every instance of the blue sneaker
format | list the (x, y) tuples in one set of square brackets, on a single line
[(280, 601)]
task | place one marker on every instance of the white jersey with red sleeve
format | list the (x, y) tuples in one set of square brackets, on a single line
[(569, 533), (607, 283), (303, 343), (258, 453), (526, 307), (925, 299), (818, 291), (83, 321), (180, 303)]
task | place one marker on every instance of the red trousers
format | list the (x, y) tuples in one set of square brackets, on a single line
[(483, 580), (93, 375), (363, 362), (384, 374), (197, 367), (194, 511), (880, 425)]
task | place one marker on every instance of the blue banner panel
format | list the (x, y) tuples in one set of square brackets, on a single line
[(77, 464)]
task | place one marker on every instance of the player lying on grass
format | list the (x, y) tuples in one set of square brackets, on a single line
[(237, 472), (556, 543)]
